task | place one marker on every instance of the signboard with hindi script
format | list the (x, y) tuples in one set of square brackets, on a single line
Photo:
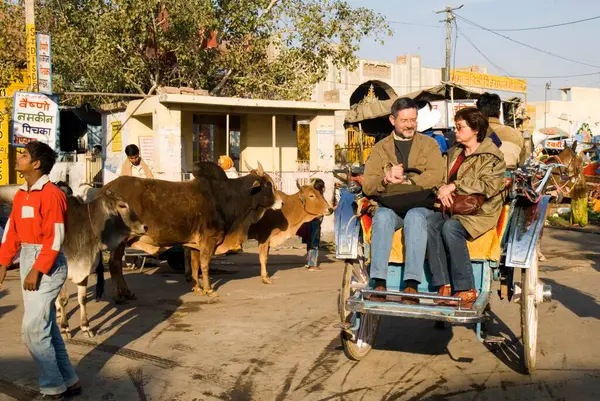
[(44, 63), (487, 81), (35, 118)]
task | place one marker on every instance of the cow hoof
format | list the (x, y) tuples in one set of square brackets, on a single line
[(66, 334), (266, 280), (197, 290), (120, 300), (211, 293), (88, 332), (129, 295)]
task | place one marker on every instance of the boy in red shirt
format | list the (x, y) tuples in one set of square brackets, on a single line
[(37, 227)]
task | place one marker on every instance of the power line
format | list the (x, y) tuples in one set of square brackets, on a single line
[(560, 76), (525, 44), (480, 52), (518, 76), (547, 26)]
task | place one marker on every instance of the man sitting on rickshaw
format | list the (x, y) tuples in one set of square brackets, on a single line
[(385, 173), (475, 166)]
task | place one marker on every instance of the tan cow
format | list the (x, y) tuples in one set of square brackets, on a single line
[(276, 226)]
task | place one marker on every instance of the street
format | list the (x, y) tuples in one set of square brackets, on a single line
[(278, 342)]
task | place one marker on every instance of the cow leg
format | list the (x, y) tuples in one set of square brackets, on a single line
[(187, 252), (83, 318), (61, 307), (120, 291), (206, 253), (263, 255), (195, 265)]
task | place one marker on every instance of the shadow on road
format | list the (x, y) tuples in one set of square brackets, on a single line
[(580, 303), (5, 309)]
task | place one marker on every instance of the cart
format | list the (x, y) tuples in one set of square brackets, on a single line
[(497, 256)]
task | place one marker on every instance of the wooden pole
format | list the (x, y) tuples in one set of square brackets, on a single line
[(274, 139), (227, 134), (30, 45)]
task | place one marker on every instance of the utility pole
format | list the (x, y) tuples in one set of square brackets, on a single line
[(449, 18), (30, 45), (547, 87)]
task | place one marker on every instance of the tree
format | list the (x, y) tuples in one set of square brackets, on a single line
[(13, 56), (275, 49)]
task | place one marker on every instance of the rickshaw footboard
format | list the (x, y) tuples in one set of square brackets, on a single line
[(456, 315)]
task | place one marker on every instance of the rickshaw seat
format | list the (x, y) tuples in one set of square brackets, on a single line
[(485, 247)]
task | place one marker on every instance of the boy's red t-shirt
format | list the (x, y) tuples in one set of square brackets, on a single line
[(38, 217)]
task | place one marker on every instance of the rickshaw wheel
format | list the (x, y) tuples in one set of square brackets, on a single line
[(529, 315), (356, 344)]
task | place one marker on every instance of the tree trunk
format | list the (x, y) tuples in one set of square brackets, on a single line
[(579, 203)]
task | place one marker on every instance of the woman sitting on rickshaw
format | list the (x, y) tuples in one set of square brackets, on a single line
[(475, 166)]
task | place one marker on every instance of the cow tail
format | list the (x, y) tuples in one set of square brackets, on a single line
[(99, 278)]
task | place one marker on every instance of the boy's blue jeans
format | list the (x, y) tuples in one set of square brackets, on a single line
[(40, 332)]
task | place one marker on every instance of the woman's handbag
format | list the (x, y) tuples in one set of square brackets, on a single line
[(466, 205)]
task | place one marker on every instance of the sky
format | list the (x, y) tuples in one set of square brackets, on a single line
[(417, 30)]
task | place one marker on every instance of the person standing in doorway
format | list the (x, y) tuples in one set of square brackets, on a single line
[(314, 233), (36, 227), (134, 165)]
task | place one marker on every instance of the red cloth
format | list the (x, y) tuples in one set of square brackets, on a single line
[(454, 170), (37, 217)]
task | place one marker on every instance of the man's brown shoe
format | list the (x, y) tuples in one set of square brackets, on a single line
[(377, 297), (410, 300), (468, 298), (443, 291)]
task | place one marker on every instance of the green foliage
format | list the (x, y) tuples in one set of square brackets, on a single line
[(12, 40), (276, 49)]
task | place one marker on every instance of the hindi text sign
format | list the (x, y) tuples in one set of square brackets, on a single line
[(35, 118), (487, 81), (44, 63), (116, 130)]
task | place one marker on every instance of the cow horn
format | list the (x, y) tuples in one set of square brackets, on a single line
[(248, 166), (260, 169), (298, 184)]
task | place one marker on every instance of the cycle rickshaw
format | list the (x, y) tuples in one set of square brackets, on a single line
[(495, 256)]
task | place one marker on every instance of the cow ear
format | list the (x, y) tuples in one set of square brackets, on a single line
[(260, 170)]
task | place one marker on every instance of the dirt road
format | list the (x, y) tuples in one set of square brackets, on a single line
[(277, 342)]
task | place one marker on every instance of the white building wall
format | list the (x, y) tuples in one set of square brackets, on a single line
[(579, 106)]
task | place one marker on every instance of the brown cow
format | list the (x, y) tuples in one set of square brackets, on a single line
[(276, 226), (198, 214)]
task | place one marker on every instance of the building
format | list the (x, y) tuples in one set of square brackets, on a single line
[(292, 140), (577, 110)]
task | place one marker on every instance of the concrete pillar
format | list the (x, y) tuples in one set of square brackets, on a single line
[(166, 124)]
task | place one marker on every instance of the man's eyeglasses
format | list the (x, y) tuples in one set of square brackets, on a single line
[(410, 120)]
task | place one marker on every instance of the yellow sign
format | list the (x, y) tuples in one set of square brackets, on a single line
[(31, 57), (4, 170), (18, 83), (486, 81), (19, 179), (116, 138)]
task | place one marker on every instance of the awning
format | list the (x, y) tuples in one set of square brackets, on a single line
[(381, 108), (443, 92)]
